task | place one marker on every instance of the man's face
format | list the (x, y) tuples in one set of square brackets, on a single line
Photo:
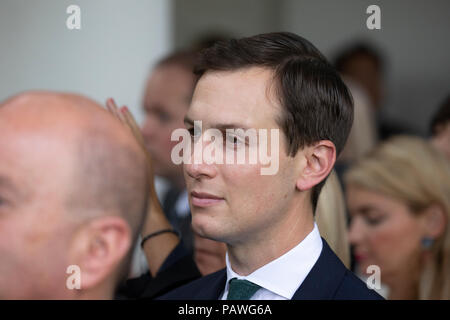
[(34, 233), (249, 205), (167, 98)]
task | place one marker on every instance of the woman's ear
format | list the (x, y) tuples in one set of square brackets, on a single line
[(435, 221), (99, 248), (318, 161)]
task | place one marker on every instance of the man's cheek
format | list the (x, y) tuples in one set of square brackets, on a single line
[(242, 174)]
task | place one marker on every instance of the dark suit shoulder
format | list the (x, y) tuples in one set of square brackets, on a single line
[(329, 279), (206, 288), (353, 288)]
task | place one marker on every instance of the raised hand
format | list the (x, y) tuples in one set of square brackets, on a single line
[(124, 115), (157, 248)]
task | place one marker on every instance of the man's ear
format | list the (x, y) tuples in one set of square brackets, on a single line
[(435, 221), (99, 249), (318, 160)]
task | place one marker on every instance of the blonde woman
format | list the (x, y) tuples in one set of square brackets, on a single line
[(399, 201)]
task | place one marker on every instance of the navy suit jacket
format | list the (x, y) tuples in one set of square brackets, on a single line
[(328, 279)]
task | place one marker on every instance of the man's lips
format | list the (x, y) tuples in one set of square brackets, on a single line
[(203, 199)]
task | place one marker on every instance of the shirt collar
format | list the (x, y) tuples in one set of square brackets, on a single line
[(284, 275)]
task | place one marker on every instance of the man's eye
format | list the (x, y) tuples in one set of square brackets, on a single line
[(194, 133), (163, 117), (191, 131), (160, 115), (234, 140)]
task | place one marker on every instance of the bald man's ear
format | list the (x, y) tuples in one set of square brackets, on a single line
[(316, 162), (99, 249)]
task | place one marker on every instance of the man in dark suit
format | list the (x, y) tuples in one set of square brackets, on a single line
[(280, 86)]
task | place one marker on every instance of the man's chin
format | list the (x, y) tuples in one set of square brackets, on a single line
[(203, 229)]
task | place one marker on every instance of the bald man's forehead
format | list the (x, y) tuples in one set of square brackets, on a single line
[(41, 135), (63, 115), (47, 110), (38, 137), (36, 167), (49, 99)]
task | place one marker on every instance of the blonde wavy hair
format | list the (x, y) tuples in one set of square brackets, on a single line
[(413, 171), (331, 218)]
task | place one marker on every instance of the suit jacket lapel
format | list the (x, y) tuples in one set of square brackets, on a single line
[(324, 278), (214, 287)]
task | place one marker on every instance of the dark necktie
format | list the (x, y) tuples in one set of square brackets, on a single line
[(241, 289)]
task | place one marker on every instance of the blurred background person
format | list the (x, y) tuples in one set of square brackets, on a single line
[(399, 200), (167, 97), (363, 136), (440, 128), (364, 66)]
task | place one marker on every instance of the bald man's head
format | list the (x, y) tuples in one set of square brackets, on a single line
[(65, 162)]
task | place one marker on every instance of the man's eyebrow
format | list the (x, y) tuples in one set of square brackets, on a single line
[(155, 108), (224, 126), (220, 126)]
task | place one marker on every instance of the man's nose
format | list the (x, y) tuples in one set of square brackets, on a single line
[(149, 129), (197, 167)]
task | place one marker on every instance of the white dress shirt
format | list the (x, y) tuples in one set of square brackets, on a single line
[(280, 278)]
